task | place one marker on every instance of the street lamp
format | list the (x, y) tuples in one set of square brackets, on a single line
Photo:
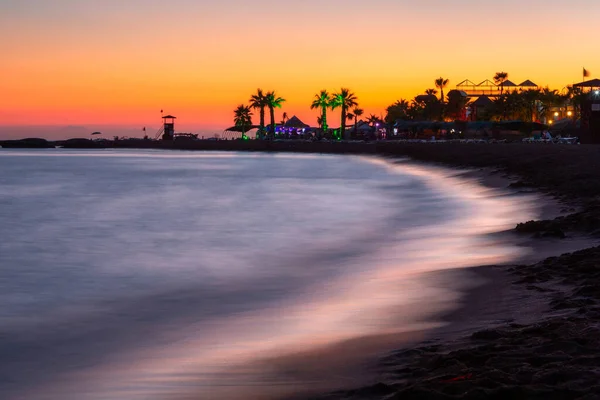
[(569, 113)]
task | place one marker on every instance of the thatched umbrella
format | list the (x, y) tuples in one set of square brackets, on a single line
[(528, 83), (295, 122)]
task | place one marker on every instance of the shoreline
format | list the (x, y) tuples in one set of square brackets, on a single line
[(547, 348), (554, 353)]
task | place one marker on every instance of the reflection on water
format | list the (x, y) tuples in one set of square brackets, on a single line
[(159, 275)]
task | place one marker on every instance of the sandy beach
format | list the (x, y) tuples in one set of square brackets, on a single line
[(530, 330)]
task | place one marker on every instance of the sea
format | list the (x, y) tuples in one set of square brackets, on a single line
[(130, 275)]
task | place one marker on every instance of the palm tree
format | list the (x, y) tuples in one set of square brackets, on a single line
[(431, 92), (320, 121), (357, 112), (345, 99), (441, 83), (575, 96), (396, 111), (549, 98), (242, 117), (258, 101), (322, 101), (273, 102), (284, 118), (499, 79), (372, 119)]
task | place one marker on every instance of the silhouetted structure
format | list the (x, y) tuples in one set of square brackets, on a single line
[(590, 118), (168, 127), (490, 89), (479, 107)]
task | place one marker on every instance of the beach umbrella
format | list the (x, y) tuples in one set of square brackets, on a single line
[(295, 122), (242, 128)]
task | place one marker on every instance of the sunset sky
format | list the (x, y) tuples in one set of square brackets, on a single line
[(117, 62)]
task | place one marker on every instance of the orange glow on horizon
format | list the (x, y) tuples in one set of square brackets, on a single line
[(122, 65)]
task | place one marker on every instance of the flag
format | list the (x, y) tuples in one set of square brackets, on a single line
[(144, 129), (161, 111), (586, 73)]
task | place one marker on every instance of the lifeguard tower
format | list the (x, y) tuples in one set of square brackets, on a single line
[(168, 127)]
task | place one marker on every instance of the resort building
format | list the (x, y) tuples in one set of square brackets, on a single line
[(490, 89)]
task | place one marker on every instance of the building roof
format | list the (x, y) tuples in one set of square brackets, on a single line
[(482, 101), (594, 83), (508, 83), (528, 83), (169, 116), (295, 122)]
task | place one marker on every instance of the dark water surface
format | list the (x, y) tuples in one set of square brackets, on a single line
[(164, 275)]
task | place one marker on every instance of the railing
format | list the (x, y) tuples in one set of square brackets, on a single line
[(159, 133)]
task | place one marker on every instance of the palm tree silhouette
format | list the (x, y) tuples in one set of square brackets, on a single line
[(357, 112), (431, 92), (258, 101), (499, 79), (322, 101), (373, 120), (441, 83), (242, 117), (350, 116), (273, 101), (345, 99), (399, 110), (320, 121), (284, 118)]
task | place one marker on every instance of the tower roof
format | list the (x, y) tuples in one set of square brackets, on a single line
[(528, 83), (169, 116), (482, 101), (594, 83)]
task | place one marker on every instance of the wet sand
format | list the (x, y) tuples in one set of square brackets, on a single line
[(530, 330)]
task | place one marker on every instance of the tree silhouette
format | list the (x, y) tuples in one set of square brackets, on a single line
[(284, 118), (322, 101), (455, 105), (575, 96), (273, 102), (499, 79), (431, 92), (397, 111), (357, 113), (344, 99), (242, 117), (548, 100), (320, 121), (259, 101), (372, 119), (441, 83)]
